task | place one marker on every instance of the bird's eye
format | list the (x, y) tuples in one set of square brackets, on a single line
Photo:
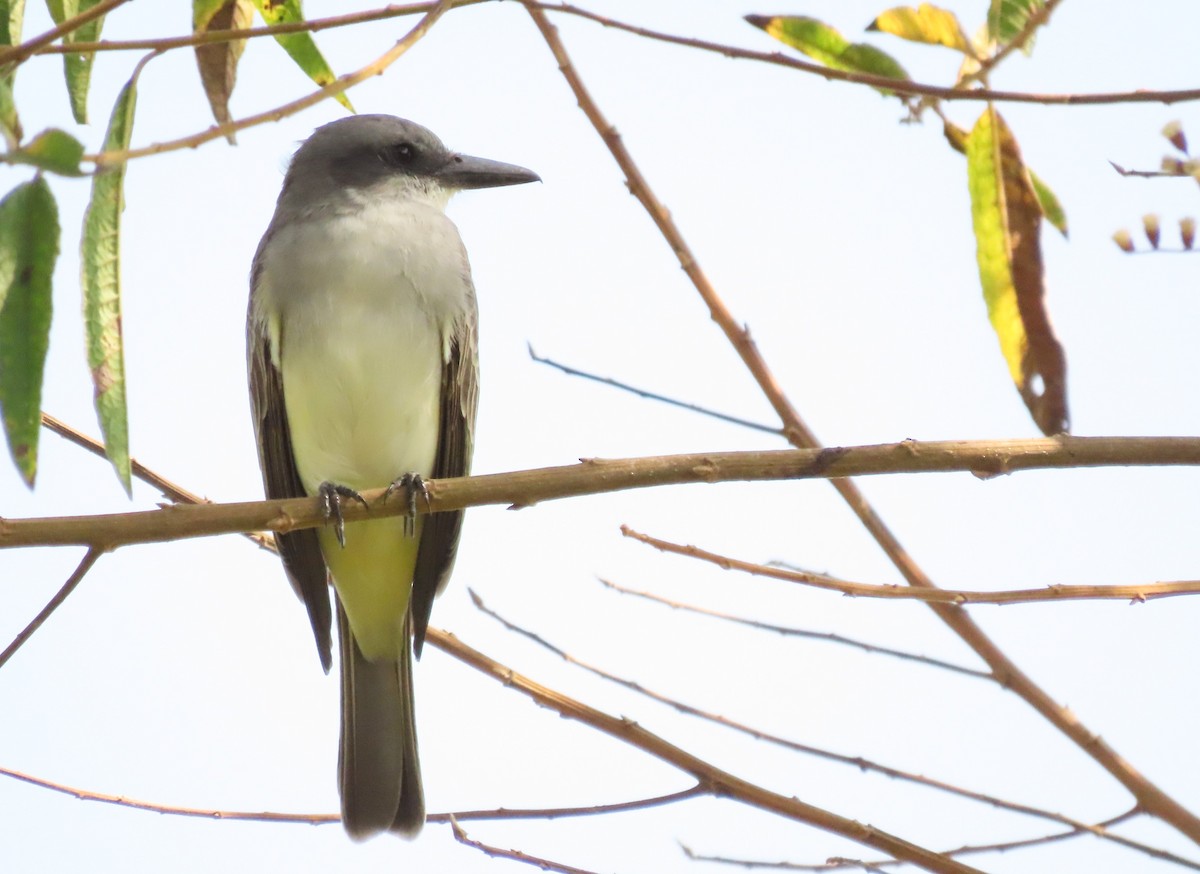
[(400, 154)]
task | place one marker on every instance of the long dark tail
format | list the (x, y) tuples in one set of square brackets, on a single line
[(379, 777)]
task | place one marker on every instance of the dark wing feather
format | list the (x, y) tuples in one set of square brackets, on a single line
[(300, 550), (439, 537)]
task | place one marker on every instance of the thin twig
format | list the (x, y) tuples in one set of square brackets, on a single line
[(718, 782), (85, 565), (696, 791), (326, 818), (654, 396), (312, 25), (899, 86), (1038, 18), (513, 855), (166, 488), (857, 762), (18, 53), (1151, 798), (1149, 174), (840, 863), (1135, 593), (337, 86), (172, 810), (789, 631)]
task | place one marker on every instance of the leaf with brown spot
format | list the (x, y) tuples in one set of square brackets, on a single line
[(218, 61), (100, 263), (1007, 218)]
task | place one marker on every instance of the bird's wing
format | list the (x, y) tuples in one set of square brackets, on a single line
[(439, 537), (300, 551)]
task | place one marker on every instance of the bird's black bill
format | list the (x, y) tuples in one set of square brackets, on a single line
[(464, 171)]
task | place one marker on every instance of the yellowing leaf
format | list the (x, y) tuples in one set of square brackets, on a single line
[(926, 23), (300, 46), (1052, 208), (825, 44), (1007, 219)]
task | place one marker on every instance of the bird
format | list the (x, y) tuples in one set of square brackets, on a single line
[(362, 359)]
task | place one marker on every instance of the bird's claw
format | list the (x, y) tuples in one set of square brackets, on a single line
[(413, 485), (332, 495)]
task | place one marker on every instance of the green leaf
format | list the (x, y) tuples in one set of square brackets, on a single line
[(1052, 209), (101, 279), (12, 18), (78, 66), (218, 62), (10, 124), (300, 46), (54, 150), (825, 44), (1007, 220), (29, 236), (203, 11), (926, 23), (1007, 18)]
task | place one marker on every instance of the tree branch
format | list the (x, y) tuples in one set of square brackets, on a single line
[(337, 86), (718, 782), (1137, 593), (16, 54), (85, 565), (986, 458), (900, 86), (312, 25), (1148, 795)]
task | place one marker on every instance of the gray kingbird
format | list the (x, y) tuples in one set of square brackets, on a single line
[(363, 366)]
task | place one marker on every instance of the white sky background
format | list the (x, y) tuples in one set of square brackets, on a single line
[(185, 673)]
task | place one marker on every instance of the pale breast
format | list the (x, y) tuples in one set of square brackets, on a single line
[(365, 305)]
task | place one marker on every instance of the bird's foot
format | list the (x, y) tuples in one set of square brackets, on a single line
[(413, 485), (332, 495)]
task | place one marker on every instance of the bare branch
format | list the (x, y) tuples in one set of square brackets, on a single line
[(85, 565), (560, 812), (512, 855), (717, 781), (123, 801), (857, 762), (985, 458), (16, 54), (326, 818), (789, 631), (337, 86), (654, 396), (1135, 593), (168, 489), (312, 25), (900, 86), (1148, 795)]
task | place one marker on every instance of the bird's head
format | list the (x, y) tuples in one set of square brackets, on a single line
[(382, 154)]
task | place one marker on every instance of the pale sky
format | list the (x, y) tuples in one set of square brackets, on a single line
[(184, 673)]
